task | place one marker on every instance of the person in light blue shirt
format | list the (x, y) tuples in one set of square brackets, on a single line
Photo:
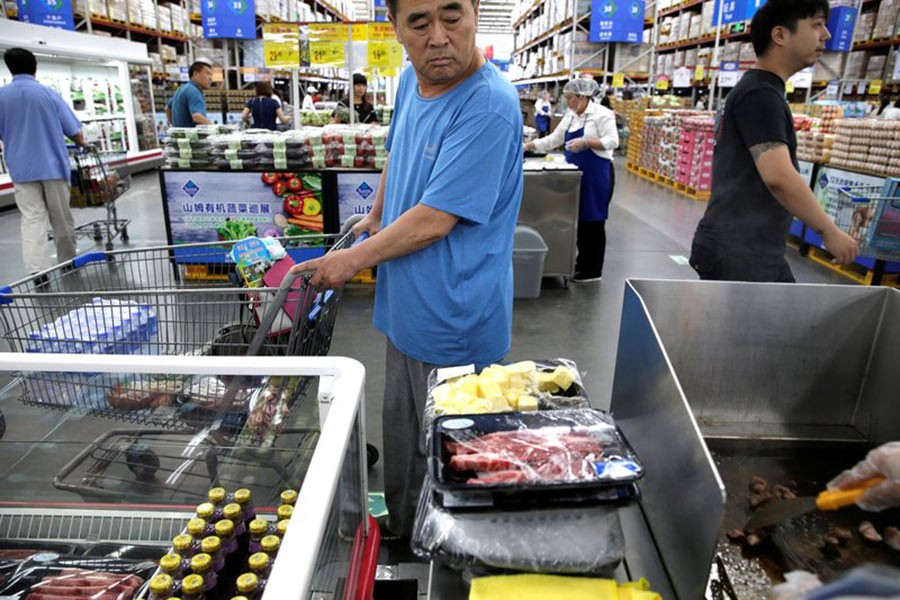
[(187, 107), (441, 228), (34, 122)]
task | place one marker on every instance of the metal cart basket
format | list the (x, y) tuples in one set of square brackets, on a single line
[(143, 302), (870, 218), (96, 182)]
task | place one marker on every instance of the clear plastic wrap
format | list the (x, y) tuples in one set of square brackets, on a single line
[(522, 452), (585, 540), (50, 575), (550, 384)]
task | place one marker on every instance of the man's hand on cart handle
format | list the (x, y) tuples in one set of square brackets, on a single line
[(330, 271), (369, 224), (843, 247)]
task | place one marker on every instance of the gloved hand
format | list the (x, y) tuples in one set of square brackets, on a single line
[(577, 144), (884, 461)]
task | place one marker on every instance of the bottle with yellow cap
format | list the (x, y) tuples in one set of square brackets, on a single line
[(206, 511), (218, 498), (225, 531), (281, 527), (201, 564), (248, 585), (239, 598), (173, 565), (160, 587), (244, 498), (289, 497), (260, 565), (233, 513), (198, 529), (183, 545), (193, 588), (259, 528), (285, 511), (270, 545), (212, 545)]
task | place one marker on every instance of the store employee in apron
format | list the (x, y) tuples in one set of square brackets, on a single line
[(590, 136)]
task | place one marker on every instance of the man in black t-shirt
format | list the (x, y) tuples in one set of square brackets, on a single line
[(756, 185)]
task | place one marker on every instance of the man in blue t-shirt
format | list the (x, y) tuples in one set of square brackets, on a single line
[(442, 227), (187, 107)]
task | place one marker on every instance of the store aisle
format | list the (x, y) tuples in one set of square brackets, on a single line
[(649, 232)]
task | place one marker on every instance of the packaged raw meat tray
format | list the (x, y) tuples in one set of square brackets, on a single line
[(560, 449)]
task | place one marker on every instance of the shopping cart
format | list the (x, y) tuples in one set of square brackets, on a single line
[(870, 218), (148, 301), (95, 182)]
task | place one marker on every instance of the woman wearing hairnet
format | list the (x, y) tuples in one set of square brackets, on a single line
[(590, 136)]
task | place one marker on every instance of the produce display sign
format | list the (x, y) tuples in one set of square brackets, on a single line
[(229, 19), (281, 45), (617, 21), (50, 13), (208, 206)]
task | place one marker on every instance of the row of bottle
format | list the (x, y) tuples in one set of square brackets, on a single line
[(210, 560)]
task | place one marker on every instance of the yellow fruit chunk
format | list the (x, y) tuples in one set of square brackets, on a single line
[(527, 403), (546, 383), (488, 388), (467, 385), (523, 367), (499, 404), (563, 377)]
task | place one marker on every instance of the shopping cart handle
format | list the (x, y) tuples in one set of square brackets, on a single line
[(323, 298), (89, 257), (4, 298)]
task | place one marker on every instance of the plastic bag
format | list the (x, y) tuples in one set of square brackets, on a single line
[(584, 540), (42, 572)]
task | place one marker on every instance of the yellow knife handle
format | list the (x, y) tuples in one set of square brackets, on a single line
[(835, 499)]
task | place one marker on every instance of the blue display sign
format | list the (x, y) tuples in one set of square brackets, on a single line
[(229, 19), (52, 13), (617, 21), (734, 11), (840, 25)]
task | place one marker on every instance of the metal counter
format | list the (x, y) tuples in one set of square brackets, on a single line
[(771, 374), (550, 207)]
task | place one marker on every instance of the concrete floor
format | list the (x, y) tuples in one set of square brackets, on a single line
[(649, 231)]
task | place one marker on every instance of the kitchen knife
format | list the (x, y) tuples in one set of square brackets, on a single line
[(777, 510)]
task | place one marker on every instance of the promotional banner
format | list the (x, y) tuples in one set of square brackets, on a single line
[(617, 21), (282, 45), (735, 10), (356, 193), (51, 13), (229, 19), (209, 206), (840, 25)]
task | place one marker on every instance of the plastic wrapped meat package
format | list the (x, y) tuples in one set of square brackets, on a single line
[(523, 386), (49, 575), (583, 541), (523, 452)]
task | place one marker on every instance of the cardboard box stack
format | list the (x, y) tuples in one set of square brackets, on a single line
[(830, 66), (149, 18), (695, 153), (133, 8), (651, 140), (886, 19), (864, 27), (118, 10), (867, 145)]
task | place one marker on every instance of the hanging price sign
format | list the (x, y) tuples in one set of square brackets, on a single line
[(662, 83), (618, 80), (381, 32), (385, 55), (875, 87), (327, 54), (360, 32), (327, 32), (391, 72), (699, 73), (281, 44), (789, 87)]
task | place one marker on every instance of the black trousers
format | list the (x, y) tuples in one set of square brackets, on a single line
[(591, 241)]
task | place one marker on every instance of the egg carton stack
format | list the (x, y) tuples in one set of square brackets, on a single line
[(815, 138), (651, 142), (695, 154), (867, 145), (191, 147)]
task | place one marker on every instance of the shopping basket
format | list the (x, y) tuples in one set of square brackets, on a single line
[(870, 218), (95, 182)]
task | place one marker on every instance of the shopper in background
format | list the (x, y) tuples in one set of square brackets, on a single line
[(891, 111), (442, 227), (265, 111), (308, 101), (702, 101), (542, 111), (883, 461), (756, 184), (590, 135), (187, 107), (365, 112), (34, 122)]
